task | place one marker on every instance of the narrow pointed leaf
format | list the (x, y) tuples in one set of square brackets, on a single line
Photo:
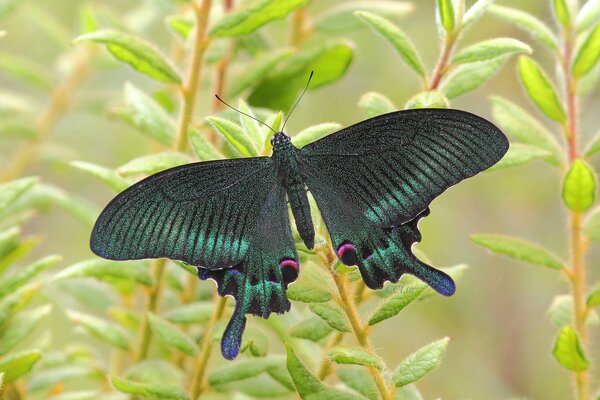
[(17, 365), (332, 314), (467, 77), (489, 49), (445, 10), (588, 54), (252, 17), (25, 71), (340, 18), (397, 38), (396, 303), (314, 133), (243, 370), (523, 127), (204, 150), (591, 226), (153, 163), (106, 175), (356, 356), (373, 104), (562, 12), (520, 154), (234, 134), (21, 327), (475, 12), (257, 70), (306, 293), (594, 146), (10, 191), (12, 282), (194, 313), (588, 14), (134, 51), (250, 126), (593, 299), (518, 249), (359, 380), (540, 90), (415, 366), (149, 390), (106, 331), (173, 336), (579, 186), (107, 270), (313, 329), (568, 350), (527, 22), (429, 99)]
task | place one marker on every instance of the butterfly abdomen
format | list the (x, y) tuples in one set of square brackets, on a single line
[(301, 211)]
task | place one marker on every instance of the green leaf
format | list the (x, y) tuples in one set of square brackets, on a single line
[(46, 378), (156, 370), (307, 385), (594, 146), (489, 49), (475, 12), (279, 90), (143, 112), (243, 370), (589, 13), (579, 186), (257, 70), (19, 278), (182, 25), (203, 149), (396, 302), (591, 225), (359, 380), (340, 19), (568, 350), (313, 329), (16, 300), (153, 163), (106, 175), (356, 356), (593, 299), (22, 326), (540, 90), (17, 365), (194, 313), (107, 270), (314, 133), (403, 45), (429, 99), (173, 336), (106, 331), (249, 19), (11, 191), (234, 134), (520, 154), (527, 22), (152, 390), (445, 10), (332, 314), (16, 129), (467, 77), (13, 104), (25, 70), (134, 51), (518, 249), (251, 126), (562, 12), (373, 104), (7, 7), (415, 366), (306, 293), (588, 54), (525, 128), (560, 312), (255, 342)]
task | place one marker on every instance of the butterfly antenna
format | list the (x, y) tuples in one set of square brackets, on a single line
[(298, 101), (241, 112)]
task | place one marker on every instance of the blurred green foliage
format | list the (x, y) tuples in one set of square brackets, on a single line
[(96, 95)]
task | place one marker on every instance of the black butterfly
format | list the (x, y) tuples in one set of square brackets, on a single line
[(372, 182)]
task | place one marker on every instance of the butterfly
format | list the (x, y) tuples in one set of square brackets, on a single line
[(372, 183)]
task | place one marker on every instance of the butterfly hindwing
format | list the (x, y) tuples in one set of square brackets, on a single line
[(200, 213), (373, 182), (258, 283)]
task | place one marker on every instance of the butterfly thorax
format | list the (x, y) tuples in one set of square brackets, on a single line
[(287, 160)]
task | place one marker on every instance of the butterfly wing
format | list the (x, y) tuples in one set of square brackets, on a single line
[(201, 213), (258, 283), (374, 180)]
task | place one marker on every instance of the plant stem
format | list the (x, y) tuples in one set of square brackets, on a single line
[(442, 63), (360, 332), (298, 29), (28, 152), (197, 384), (576, 239)]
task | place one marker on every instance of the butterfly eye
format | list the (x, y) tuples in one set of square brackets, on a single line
[(347, 254), (289, 269)]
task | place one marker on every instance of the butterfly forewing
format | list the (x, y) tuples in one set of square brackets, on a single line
[(201, 213)]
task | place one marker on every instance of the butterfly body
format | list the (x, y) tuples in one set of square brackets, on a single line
[(372, 183)]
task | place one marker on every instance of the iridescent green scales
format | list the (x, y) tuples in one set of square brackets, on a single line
[(372, 182)]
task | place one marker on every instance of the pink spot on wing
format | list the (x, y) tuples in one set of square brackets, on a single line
[(289, 263), (343, 248)]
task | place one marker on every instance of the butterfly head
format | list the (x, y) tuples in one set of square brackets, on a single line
[(280, 140)]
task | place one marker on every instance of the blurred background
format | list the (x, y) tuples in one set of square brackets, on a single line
[(501, 338)]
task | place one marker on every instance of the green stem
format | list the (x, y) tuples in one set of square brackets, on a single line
[(197, 384), (441, 66)]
